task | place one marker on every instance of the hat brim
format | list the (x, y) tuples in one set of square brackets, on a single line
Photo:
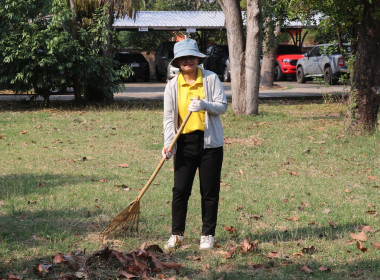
[(187, 53)]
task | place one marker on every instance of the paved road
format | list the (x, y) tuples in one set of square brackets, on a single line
[(154, 90)]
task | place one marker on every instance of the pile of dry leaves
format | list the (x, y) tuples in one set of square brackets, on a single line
[(143, 263)]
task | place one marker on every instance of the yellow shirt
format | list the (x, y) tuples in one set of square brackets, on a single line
[(185, 92)]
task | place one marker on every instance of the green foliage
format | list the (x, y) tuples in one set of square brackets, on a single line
[(145, 40), (182, 5), (39, 54)]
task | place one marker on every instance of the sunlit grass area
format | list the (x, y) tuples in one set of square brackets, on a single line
[(292, 179)]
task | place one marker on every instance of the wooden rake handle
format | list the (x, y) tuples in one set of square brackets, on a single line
[(162, 161)]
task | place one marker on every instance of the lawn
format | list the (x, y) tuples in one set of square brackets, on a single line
[(299, 196)]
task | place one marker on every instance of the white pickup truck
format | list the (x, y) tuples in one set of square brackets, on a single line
[(324, 61)]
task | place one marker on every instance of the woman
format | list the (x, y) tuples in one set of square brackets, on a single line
[(201, 143)]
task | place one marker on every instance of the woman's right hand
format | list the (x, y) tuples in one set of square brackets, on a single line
[(166, 154)]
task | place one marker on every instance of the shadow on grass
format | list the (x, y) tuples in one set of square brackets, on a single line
[(130, 104), (34, 221), (12, 185)]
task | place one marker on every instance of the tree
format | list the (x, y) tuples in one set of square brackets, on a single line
[(365, 98), (362, 19), (244, 53), (38, 53), (275, 14)]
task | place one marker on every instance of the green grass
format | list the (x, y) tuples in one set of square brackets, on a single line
[(60, 185)]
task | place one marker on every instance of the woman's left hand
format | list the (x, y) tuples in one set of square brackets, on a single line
[(196, 105)]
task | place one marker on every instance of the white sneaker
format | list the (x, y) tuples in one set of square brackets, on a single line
[(207, 242), (175, 241)]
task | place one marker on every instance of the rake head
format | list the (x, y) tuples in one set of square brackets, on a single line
[(126, 219)]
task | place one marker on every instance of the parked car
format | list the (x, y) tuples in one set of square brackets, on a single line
[(325, 61), (286, 61), (217, 60), (137, 62), (162, 58)]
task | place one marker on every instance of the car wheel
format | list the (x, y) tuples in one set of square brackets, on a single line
[(278, 75), (328, 76), (226, 75), (300, 75)]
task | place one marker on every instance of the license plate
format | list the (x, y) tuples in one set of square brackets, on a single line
[(135, 64)]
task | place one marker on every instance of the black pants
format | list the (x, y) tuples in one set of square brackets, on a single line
[(189, 156)]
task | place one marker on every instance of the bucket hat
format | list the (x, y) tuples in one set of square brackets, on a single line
[(184, 48)]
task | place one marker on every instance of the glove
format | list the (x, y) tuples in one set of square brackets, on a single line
[(166, 154), (196, 105)]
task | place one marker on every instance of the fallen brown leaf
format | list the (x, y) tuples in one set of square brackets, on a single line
[(272, 255), (59, 258), (308, 250), (332, 224), (376, 245), (124, 165), (324, 269), (230, 229), (359, 245), (366, 228), (41, 268), (248, 246), (372, 212), (171, 265), (193, 258), (361, 236), (373, 178), (123, 259), (326, 211), (305, 269), (12, 276), (292, 219), (127, 275)]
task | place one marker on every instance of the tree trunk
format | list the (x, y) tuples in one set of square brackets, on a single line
[(252, 59), (235, 37), (362, 114), (76, 83), (245, 68), (270, 50)]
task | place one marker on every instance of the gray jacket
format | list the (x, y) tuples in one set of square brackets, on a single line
[(216, 104)]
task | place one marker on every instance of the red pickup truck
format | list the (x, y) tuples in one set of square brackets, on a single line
[(286, 61)]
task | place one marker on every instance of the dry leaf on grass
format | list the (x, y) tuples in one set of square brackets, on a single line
[(248, 246), (127, 275), (372, 212), (366, 228), (332, 224), (324, 269), (308, 250), (124, 165), (292, 219), (376, 245), (230, 229), (359, 245), (373, 178), (361, 236), (305, 269), (12, 276)]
